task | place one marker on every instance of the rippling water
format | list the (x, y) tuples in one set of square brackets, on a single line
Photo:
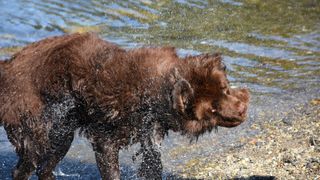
[(272, 47)]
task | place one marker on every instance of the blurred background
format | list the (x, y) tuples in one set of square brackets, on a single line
[(272, 47)]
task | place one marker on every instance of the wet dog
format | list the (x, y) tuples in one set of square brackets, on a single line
[(116, 97)]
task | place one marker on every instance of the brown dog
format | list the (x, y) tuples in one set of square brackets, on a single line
[(117, 97)]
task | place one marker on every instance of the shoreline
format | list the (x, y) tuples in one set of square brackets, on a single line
[(282, 150)]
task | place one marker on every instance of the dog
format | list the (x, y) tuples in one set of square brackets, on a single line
[(116, 97)]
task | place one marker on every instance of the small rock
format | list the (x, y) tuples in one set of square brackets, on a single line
[(314, 160), (287, 121), (314, 142), (289, 159), (313, 163), (315, 102)]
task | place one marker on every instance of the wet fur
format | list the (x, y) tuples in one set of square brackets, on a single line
[(54, 86)]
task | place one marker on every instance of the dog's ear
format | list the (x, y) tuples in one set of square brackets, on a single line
[(213, 62), (182, 94)]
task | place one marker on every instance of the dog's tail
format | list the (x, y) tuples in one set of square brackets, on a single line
[(2, 69), (3, 63), (2, 73)]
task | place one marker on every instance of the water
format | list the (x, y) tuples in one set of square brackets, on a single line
[(271, 47)]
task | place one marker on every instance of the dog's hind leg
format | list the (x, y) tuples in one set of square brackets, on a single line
[(64, 116), (23, 169), (23, 146), (60, 144)]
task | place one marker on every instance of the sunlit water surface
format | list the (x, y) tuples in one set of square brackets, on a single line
[(271, 47)]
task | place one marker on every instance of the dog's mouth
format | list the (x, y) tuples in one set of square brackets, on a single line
[(229, 123), (233, 121)]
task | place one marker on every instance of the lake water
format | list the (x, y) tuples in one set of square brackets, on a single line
[(271, 47)]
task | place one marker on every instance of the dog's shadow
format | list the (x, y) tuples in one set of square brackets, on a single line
[(73, 169), (69, 169)]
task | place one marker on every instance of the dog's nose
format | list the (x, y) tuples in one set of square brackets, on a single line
[(242, 109)]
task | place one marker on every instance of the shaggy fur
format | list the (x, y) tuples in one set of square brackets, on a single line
[(54, 86)]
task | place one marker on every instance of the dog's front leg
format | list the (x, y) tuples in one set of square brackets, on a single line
[(107, 157), (151, 166)]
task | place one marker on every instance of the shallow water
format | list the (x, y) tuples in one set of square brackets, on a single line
[(272, 47)]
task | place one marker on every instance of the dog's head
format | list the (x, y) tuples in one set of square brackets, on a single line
[(203, 97)]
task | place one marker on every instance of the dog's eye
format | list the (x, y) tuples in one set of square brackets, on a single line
[(225, 90), (223, 67), (214, 107)]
